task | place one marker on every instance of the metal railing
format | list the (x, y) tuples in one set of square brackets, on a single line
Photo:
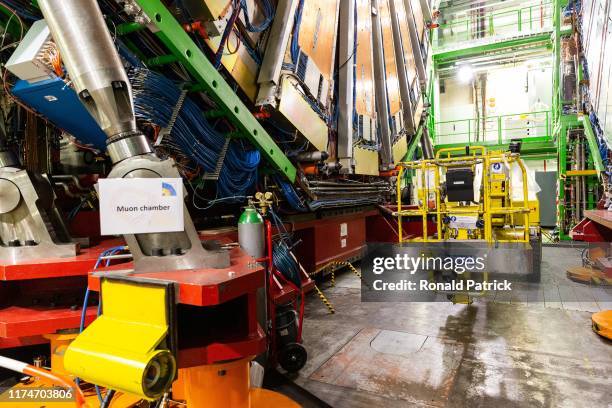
[(494, 129), (500, 24)]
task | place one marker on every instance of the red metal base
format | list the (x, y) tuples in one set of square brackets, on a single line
[(45, 296), (216, 311), (595, 228), (21, 322), (56, 267)]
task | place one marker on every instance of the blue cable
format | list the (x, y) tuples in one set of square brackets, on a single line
[(155, 97), (104, 254), (268, 11), (295, 47)]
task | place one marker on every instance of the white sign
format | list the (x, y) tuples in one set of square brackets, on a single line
[(343, 229), (463, 221), (141, 205)]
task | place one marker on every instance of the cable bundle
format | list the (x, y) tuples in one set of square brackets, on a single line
[(283, 260), (295, 38), (268, 10), (155, 98)]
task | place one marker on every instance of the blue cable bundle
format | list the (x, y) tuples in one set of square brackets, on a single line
[(281, 253), (295, 47), (268, 10), (292, 197), (155, 98)]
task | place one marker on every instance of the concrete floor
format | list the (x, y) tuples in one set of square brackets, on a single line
[(514, 352)]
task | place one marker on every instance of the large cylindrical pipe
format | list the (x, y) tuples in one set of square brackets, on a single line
[(382, 107), (7, 158), (346, 80), (402, 75), (95, 69), (426, 145), (416, 46)]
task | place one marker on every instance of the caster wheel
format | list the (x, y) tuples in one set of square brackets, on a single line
[(292, 357)]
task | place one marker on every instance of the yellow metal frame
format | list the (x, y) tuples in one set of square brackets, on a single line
[(444, 159)]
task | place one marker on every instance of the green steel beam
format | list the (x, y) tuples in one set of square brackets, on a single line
[(170, 32), (126, 28), (451, 55), (593, 146), (412, 147), (537, 146)]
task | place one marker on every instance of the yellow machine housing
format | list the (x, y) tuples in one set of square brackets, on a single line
[(496, 212), (494, 215)]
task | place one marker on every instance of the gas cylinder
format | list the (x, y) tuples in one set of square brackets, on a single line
[(251, 233)]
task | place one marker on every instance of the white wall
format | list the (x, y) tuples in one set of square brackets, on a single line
[(538, 165), (510, 90)]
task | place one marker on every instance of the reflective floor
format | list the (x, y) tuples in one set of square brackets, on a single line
[(516, 351)]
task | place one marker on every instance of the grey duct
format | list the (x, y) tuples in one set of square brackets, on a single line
[(382, 107), (401, 70), (96, 71), (346, 82), (276, 47)]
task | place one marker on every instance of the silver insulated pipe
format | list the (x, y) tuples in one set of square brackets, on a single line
[(7, 159), (95, 69)]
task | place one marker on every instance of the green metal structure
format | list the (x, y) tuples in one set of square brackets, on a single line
[(551, 140), (184, 50)]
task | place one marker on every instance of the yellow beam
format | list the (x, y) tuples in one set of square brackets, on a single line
[(579, 173)]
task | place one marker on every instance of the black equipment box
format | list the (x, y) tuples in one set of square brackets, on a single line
[(460, 185)]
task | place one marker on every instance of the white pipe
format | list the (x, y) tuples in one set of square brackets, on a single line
[(13, 365)]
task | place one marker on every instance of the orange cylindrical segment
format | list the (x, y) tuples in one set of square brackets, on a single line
[(217, 385)]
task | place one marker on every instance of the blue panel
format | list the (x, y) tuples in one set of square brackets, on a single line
[(61, 106)]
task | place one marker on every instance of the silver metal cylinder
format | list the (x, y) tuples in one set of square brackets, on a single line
[(346, 75), (386, 152), (312, 156), (416, 46), (402, 75), (8, 159), (251, 239), (93, 63), (426, 145), (123, 147)]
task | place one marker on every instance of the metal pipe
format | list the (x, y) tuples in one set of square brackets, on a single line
[(7, 158), (272, 63), (382, 107), (416, 46), (356, 189), (426, 10), (45, 376), (346, 83), (576, 187), (312, 156), (426, 145), (95, 69), (402, 75), (583, 182), (356, 184)]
